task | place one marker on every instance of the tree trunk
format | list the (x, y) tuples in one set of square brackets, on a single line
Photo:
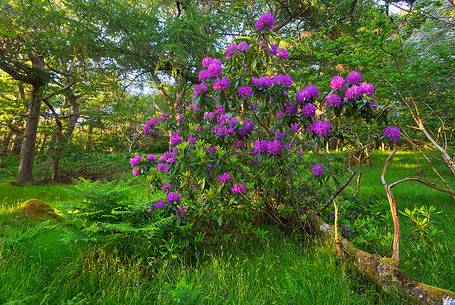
[(24, 174), (57, 151), (5, 144), (17, 143), (75, 112), (383, 272)]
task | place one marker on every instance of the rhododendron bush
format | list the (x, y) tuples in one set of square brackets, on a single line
[(251, 140)]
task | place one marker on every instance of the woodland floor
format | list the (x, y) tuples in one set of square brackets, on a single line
[(39, 267)]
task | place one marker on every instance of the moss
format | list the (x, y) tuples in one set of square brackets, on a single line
[(37, 210)]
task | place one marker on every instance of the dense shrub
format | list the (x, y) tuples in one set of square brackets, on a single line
[(252, 139)]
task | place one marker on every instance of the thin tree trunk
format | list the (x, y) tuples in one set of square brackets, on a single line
[(5, 147), (25, 174), (75, 112), (17, 143)]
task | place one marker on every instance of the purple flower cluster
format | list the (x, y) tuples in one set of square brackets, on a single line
[(135, 160), (169, 156), (262, 82), (223, 178), (233, 48), (272, 147), (200, 88), (175, 138), (283, 80), (393, 133), (136, 171), (154, 122), (337, 82), (181, 211), (352, 93), (320, 128), (295, 127), (265, 22), (246, 128), (151, 157), (221, 84), (192, 139), (213, 68), (166, 187), (290, 109), (354, 77), (245, 91), (162, 167), (317, 170), (172, 197), (333, 100), (310, 91), (308, 110), (366, 88), (211, 149), (159, 204), (239, 188), (282, 54)]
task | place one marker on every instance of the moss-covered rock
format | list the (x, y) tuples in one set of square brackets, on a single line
[(37, 209)]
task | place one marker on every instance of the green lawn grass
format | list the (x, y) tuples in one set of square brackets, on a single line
[(38, 267)]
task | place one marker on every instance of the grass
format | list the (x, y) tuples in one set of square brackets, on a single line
[(37, 265)]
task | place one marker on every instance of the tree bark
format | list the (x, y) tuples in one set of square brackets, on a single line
[(75, 112), (25, 174)]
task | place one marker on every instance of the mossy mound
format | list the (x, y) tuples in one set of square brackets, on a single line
[(37, 209)]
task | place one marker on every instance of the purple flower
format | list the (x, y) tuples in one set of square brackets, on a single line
[(172, 197), (262, 82), (243, 46), (245, 91), (209, 115), (273, 49), (352, 93), (295, 127), (192, 139), (169, 156), (159, 204), (317, 170), (337, 82), (281, 114), (199, 88), (283, 80), (282, 53), (162, 167), (204, 75), (354, 77), (165, 116), (238, 143), (265, 22), (374, 105), (307, 93), (366, 88), (247, 128), (135, 161), (219, 109), (333, 100), (308, 110), (175, 138), (223, 178), (320, 128), (151, 157), (291, 109), (221, 84), (136, 171), (181, 211), (274, 147), (231, 50), (238, 188), (211, 149), (393, 133), (215, 68), (206, 61), (166, 187)]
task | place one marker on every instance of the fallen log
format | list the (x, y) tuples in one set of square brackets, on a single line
[(385, 273)]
